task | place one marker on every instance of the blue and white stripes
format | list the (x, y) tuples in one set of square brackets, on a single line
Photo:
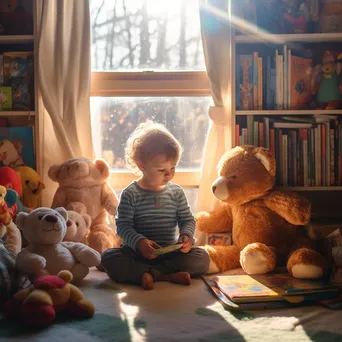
[(154, 215)]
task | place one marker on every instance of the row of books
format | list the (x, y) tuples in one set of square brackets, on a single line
[(286, 79), (273, 290), (16, 81), (308, 151)]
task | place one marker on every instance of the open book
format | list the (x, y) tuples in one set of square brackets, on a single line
[(271, 288)]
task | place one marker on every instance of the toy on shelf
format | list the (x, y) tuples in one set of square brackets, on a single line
[(44, 229), (49, 295), (328, 95)]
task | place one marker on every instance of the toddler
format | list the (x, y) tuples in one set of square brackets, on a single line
[(149, 212)]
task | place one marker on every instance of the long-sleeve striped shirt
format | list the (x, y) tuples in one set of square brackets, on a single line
[(154, 215)]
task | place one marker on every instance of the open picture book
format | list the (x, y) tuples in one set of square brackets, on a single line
[(268, 290)]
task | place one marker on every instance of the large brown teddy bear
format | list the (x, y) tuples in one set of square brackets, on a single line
[(83, 180), (266, 224)]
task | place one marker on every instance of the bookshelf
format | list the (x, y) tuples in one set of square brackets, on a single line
[(326, 199), (23, 42)]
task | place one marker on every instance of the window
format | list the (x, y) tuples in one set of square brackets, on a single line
[(147, 62)]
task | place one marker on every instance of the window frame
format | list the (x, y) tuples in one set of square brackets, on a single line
[(150, 83)]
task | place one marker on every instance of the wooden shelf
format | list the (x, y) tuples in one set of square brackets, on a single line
[(310, 188), (263, 37), (288, 112), (9, 113), (22, 39)]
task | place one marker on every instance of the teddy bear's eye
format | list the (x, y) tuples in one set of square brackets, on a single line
[(27, 182), (40, 217), (77, 224), (234, 177)]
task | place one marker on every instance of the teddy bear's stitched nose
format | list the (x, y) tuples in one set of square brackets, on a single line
[(213, 188), (50, 218)]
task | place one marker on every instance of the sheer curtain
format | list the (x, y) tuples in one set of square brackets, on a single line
[(216, 38), (62, 47)]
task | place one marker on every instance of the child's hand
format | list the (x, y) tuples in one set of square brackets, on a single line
[(147, 248), (186, 241)]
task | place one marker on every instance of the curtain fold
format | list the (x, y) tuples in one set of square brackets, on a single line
[(216, 40), (63, 50)]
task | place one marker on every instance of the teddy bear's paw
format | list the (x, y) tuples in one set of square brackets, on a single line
[(306, 263), (257, 258), (79, 272), (302, 271)]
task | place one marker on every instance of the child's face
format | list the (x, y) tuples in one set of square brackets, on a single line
[(158, 171)]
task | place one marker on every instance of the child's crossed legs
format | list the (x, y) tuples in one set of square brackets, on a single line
[(125, 266)]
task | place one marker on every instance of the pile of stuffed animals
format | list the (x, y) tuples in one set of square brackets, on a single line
[(64, 241), (69, 237)]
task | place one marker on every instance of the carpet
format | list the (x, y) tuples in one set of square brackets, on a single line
[(176, 313)]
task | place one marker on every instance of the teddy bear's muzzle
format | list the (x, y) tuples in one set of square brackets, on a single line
[(219, 188)]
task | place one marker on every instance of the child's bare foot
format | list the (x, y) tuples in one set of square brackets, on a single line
[(178, 278), (147, 281)]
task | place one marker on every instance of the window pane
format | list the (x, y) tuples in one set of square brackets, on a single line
[(146, 34), (115, 118)]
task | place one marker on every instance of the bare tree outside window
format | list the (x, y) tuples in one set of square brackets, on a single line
[(146, 34), (131, 40)]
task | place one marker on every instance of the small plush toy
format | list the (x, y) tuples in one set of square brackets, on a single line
[(78, 225), (47, 296), (83, 180), (266, 224), (328, 95), (32, 186), (5, 217), (10, 153), (44, 229), (10, 179)]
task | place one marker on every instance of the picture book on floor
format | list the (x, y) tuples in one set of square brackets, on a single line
[(263, 290)]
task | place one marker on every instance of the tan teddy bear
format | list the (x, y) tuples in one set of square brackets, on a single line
[(83, 180), (77, 227), (266, 224)]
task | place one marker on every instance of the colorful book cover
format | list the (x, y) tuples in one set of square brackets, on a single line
[(220, 239), (300, 93), (246, 85), (272, 287), (18, 74), (17, 146), (5, 98), (1, 70)]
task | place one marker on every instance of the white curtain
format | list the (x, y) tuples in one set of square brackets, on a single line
[(63, 47), (216, 39)]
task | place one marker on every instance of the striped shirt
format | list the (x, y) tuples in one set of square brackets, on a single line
[(154, 215)]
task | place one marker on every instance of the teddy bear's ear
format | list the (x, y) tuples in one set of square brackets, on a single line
[(20, 220), (103, 167), (63, 212), (266, 159), (87, 220), (53, 171)]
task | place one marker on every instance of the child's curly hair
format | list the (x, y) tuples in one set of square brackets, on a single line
[(149, 140)]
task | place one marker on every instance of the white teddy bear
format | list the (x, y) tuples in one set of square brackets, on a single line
[(44, 229)]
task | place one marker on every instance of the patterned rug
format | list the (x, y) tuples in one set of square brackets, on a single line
[(177, 313)]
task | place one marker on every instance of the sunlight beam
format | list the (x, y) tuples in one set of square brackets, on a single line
[(241, 24)]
